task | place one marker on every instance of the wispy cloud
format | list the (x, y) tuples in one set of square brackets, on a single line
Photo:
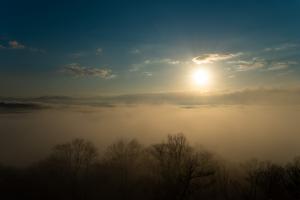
[(16, 45), (231, 76), (77, 54), (99, 51), (86, 53), (135, 51), (149, 62), (162, 60), (280, 65), (33, 49), (172, 62), (13, 44), (259, 63), (135, 67), (281, 47), (246, 65), (286, 72), (147, 74), (77, 70), (214, 57)]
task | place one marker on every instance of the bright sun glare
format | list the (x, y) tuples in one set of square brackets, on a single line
[(201, 77)]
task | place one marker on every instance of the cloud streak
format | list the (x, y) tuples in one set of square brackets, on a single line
[(20, 107), (77, 70), (135, 51), (247, 65), (148, 62), (260, 63), (269, 96), (280, 65), (214, 57), (16, 45), (281, 47), (163, 60), (99, 51), (13, 44)]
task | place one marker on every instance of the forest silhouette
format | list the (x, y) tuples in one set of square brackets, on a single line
[(172, 169)]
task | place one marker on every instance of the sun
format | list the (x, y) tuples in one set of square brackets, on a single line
[(201, 77)]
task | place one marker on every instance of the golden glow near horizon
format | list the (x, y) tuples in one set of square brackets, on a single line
[(201, 77)]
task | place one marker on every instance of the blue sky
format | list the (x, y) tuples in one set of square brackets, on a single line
[(113, 47)]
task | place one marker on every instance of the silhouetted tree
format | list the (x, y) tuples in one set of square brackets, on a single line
[(265, 181), (180, 169), (250, 189), (127, 170), (225, 181), (292, 178), (75, 157), (68, 169), (125, 164), (271, 180)]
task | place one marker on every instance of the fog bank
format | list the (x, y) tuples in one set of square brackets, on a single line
[(235, 132)]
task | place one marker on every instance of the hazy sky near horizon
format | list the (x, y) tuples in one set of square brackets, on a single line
[(235, 132), (113, 47)]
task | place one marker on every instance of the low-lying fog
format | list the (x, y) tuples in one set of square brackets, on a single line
[(236, 133)]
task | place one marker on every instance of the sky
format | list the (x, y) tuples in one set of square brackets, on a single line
[(95, 48), (224, 73)]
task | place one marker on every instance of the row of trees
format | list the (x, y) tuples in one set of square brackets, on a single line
[(127, 170)]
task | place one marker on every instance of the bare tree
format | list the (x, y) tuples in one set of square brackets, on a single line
[(223, 181), (292, 178), (180, 168), (69, 166), (265, 181), (124, 161), (76, 156)]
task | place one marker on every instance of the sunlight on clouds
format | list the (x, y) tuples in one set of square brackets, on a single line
[(214, 57)]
